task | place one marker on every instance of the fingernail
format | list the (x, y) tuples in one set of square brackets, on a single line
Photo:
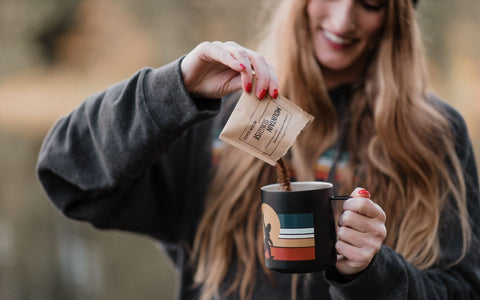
[(249, 87), (275, 94), (364, 193), (262, 94), (242, 66)]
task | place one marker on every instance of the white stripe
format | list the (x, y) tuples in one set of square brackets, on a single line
[(296, 236), (324, 160), (296, 230)]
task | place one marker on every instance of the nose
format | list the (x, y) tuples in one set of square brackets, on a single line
[(343, 16)]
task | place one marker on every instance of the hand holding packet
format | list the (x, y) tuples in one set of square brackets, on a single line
[(265, 128)]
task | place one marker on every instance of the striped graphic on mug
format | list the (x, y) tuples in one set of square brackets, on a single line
[(296, 226), (288, 237)]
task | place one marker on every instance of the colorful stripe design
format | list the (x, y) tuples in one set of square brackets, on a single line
[(324, 164), (296, 233), (288, 237), (293, 254), (296, 226)]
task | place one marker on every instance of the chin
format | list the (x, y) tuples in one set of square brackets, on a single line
[(335, 65), (339, 63)]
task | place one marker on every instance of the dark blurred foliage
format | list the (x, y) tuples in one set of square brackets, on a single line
[(29, 29)]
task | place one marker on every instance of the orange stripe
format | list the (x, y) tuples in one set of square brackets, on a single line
[(319, 175), (323, 168), (304, 253)]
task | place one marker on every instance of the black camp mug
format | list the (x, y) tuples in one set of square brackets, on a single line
[(299, 227)]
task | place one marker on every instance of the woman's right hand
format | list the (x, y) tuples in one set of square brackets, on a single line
[(215, 69)]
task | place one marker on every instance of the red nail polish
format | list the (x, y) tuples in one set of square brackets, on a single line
[(242, 66), (262, 94), (364, 193), (249, 87), (275, 94)]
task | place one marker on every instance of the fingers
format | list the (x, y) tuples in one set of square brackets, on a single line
[(362, 204), (263, 72), (273, 86), (361, 232), (361, 223), (240, 56), (362, 214), (217, 52), (371, 242), (351, 259), (214, 69), (360, 192), (210, 71), (252, 62)]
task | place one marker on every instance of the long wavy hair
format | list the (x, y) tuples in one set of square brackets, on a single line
[(401, 149)]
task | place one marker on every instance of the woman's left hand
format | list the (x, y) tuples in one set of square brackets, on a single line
[(360, 234)]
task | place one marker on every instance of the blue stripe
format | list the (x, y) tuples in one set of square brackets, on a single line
[(296, 220)]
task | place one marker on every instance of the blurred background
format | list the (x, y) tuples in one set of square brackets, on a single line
[(55, 53)]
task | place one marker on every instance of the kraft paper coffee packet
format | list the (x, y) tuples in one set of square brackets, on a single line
[(265, 128)]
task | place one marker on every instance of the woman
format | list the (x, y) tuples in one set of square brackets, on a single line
[(137, 157)]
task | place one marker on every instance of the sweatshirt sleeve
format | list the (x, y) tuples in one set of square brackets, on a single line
[(390, 276), (117, 160)]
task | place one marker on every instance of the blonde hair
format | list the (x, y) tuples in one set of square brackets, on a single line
[(400, 147)]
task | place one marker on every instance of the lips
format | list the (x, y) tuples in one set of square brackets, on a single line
[(337, 42)]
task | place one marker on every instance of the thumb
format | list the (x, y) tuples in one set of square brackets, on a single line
[(360, 192)]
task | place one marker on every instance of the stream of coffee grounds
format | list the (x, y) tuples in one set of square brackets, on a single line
[(283, 177)]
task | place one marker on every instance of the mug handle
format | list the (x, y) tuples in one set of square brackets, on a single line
[(340, 197), (335, 208)]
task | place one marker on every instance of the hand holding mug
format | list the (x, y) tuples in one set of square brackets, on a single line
[(215, 69), (360, 234)]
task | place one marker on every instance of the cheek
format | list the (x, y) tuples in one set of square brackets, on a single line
[(374, 27), (314, 11), (311, 8)]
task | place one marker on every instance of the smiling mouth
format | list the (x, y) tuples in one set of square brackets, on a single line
[(332, 37)]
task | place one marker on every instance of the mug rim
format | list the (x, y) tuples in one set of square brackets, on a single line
[(297, 186)]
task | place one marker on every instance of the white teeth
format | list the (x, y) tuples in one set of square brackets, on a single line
[(336, 39)]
